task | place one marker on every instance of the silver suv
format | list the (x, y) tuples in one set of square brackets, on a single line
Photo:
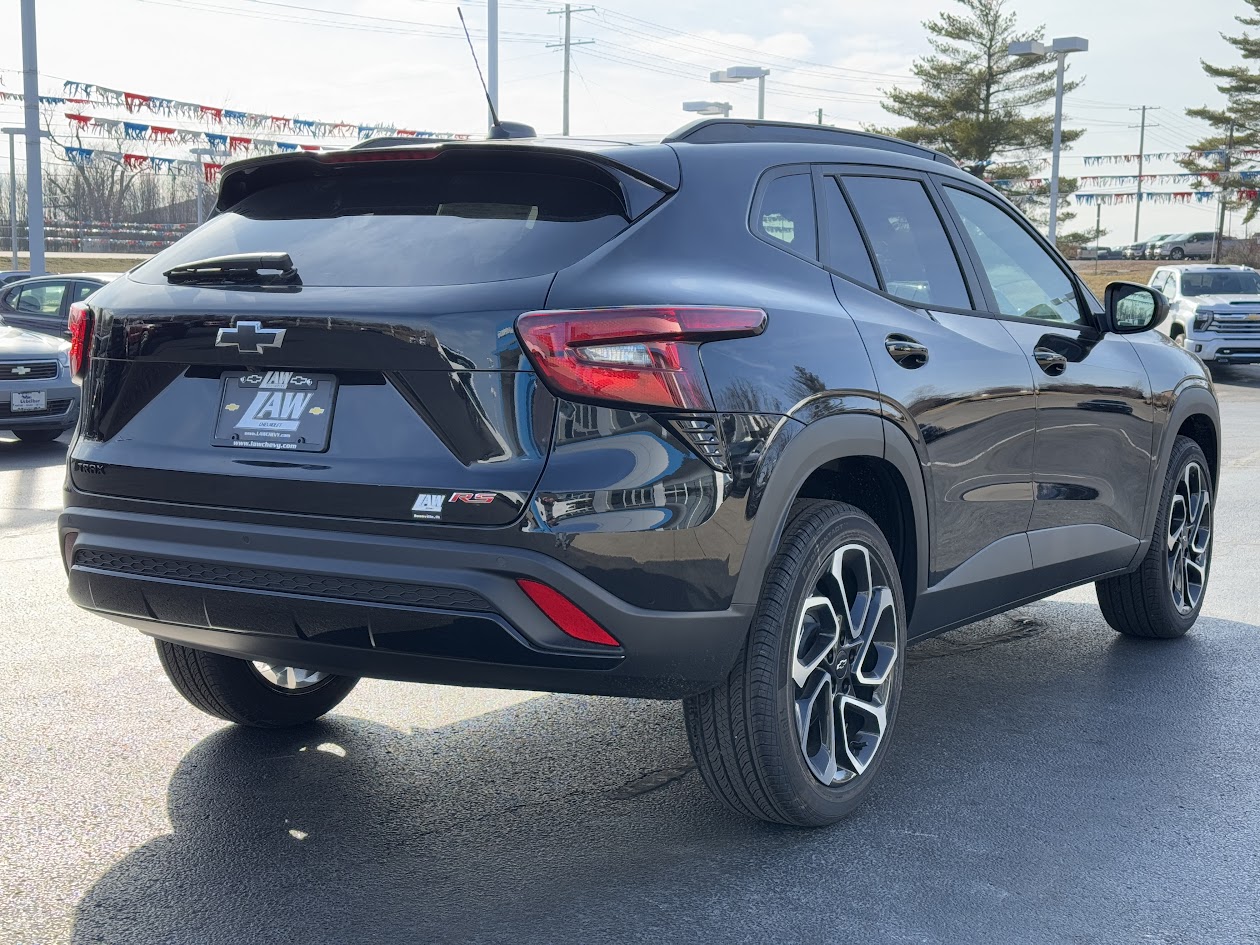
[(1215, 310), (1189, 246)]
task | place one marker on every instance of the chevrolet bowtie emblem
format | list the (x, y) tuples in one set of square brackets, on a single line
[(250, 337), (21, 369)]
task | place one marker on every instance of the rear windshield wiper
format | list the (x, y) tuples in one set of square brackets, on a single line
[(237, 269)]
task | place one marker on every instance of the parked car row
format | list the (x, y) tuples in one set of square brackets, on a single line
[(1194, 245), (1097, 252), (1140, 250), (38, 397)]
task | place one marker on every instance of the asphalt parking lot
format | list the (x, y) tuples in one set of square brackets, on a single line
[(1051, 782)]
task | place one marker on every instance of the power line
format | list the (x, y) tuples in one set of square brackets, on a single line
[(354, 21)]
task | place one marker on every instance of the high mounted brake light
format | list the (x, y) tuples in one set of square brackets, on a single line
[(382, 154), (79, 325), (642, 355)]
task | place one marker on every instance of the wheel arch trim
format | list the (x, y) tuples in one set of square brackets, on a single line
[(1193, 398), (810, 447)]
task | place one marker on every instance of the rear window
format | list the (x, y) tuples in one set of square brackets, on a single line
[(1220, 283), (381, 226)]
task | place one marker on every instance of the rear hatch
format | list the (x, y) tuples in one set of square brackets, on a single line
[(338, 340)]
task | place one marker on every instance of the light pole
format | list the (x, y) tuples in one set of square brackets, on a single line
[(34, 168), (492, 58), (708, 108), (12, 132), (741, 73), (1060, 47)]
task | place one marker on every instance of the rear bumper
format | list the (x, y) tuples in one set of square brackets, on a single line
[(391, 608)]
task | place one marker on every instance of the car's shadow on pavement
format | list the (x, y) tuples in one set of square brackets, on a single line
[(19, 454), (1050, 782), (1236, 375)]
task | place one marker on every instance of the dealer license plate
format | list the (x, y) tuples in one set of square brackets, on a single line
[(276, 410), (28, 400)]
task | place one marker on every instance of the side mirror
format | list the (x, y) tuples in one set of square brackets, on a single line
[(1131, 308)]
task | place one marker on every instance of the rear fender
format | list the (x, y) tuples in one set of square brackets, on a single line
[(1193, 398), (784, 472)]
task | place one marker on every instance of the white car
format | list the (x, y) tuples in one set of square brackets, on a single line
[(1214, 311)]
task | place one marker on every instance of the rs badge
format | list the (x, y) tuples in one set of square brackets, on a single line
[(428, 506), (473, 498)]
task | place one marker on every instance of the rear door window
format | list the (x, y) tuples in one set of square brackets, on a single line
[(82, 290), (914, 256), (42, 299), (846, 249), (379, 225)]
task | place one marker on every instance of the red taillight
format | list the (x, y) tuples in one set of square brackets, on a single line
[(381, 154), (80, 326), (644, 355), (565, 614)]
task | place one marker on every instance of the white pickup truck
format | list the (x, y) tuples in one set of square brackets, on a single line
[(1214, 311)]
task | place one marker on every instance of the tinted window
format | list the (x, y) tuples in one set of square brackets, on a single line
[(375, 224), (43, 299), (786, 214), (1025, 279), (846, 251), (82, 290), (915, 258), (1220, 283)]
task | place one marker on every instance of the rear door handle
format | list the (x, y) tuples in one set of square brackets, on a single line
[(906, 351), (1050, 361)]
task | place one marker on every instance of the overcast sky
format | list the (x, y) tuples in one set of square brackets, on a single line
[(400, 62)]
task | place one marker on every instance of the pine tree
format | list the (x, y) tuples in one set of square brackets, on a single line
[(985, 108), (1236, 127)]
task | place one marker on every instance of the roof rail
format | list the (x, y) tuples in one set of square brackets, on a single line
[(732, 130)]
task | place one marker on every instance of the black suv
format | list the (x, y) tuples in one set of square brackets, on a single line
[(732, 417)]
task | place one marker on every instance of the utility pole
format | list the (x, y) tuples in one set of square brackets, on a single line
[(12, 194), (1137, 215), (1097, 233), (820, 116), (568, 43), (34, 141), (1220, 213), (492, 59)]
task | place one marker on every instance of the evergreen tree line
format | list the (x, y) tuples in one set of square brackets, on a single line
[(993, 113)]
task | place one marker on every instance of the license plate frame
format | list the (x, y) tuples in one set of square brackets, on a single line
[(28, 401), (275, 410)]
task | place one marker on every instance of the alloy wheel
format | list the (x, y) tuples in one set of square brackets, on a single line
[(288, 678), (844, 654), (1189, 538)]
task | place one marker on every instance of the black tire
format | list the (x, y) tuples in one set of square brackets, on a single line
[(231, 689), (37, 436), (1144, 603), (744, 733)]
